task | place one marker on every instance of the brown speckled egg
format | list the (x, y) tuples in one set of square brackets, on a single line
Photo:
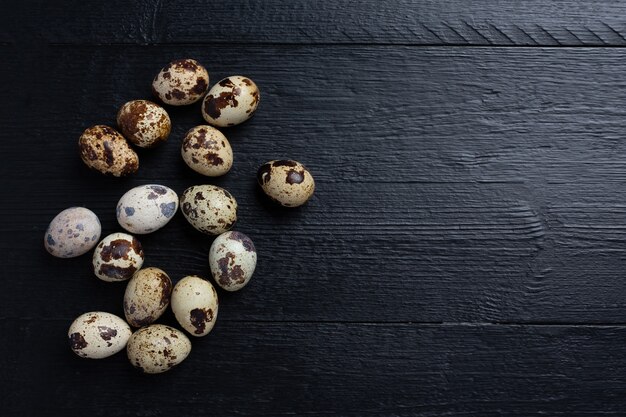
[(209, 209), (98, 335), (117, 257), (104, 149), (207, 151), (231, 101), (147, 296), (195, 305), (232, 259), (72, 232), (287, 182), (144, 123), (181, 82), (157, 348)]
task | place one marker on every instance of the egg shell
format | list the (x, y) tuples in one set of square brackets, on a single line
[(232, 259), (104, 149), (98, 335), (287, 182), (231, 101), (144, 123), (117, 257), (209, 209), (157, 348), (146, 208), (72, 232), (181, 82), (207, 151), (147, 296), (194, 303)]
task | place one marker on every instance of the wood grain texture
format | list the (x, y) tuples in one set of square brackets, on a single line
[(423, 22)]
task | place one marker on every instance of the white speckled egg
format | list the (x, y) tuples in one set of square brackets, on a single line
[(231, 101), (207, 151), (181, 82), (232, 259), (147, 296), (104, 149), (144, 123), (117, 257), (195, 305), (287, 182), (146, 208), (208, 208), (157, 348), (72, 232), (97, 335)]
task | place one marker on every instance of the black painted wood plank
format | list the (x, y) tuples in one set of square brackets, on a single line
[(423, 22)]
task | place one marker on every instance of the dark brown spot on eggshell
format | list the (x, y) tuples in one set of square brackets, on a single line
[(178, 94), (108, 153), (264, 174), (199, 317), (200, 87), (244, 240), (117, 272), (284, 163), (213, 158), (77, 341), (107, 333)]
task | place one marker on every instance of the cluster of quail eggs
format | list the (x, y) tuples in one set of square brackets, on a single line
[(212, 210)]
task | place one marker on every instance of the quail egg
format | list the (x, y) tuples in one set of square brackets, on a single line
[(209, 209), (287, 182), (207, 151), (73, 232), (117, 257), (144, 123), (104, 149), (181, 82), (195, 305), (232, 259), (157, 348), (147, 296), (146, 208), (231, 101), (97, 335)]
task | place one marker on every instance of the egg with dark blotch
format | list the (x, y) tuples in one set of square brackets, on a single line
[(157, 348), (286, 182), (232, 259), (231, 101), (209, 209), (98, 335), (144, 123), (72, 232), (147, 296), (105, 150), (146, 208), (194, 303), (117, 257), (207, 151), (181, 82)]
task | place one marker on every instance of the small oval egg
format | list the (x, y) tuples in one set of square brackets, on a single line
[(157, 348), (231, 101), (72, 232), (147, 296), (98, 335), (117, 257), (207, 151), (287, 182), (144, 123), (181, 82), (104, 149), (209, 209), (146, 208), (194, 303), (232, 259)]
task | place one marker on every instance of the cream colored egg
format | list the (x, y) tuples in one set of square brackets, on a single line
[(181, 82), (147, 296), (231, 101), (157, 348), (104, 149), (207, 151), (117, 257), (209, 209), (146, 208), (232, 259), (72, 232), (194, 303), (144, 123), (287, 182), (97, 335)]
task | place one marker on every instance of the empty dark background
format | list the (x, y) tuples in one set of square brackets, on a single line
[(464, 253)]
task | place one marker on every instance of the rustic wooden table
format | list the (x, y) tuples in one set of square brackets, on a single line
[(464, 253)]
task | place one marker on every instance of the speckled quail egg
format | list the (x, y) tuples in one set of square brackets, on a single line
[(157, 348), (146, 208), (144, 123), (181, 82), (287, 182), (232, 259), (117, 257), (209, 209), (147, 296), (72, 232), (104, 149), (98, 335), (231, 101), (207, 151), (194, 303)]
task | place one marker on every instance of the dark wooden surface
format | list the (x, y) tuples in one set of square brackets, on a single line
[(464, 252)]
